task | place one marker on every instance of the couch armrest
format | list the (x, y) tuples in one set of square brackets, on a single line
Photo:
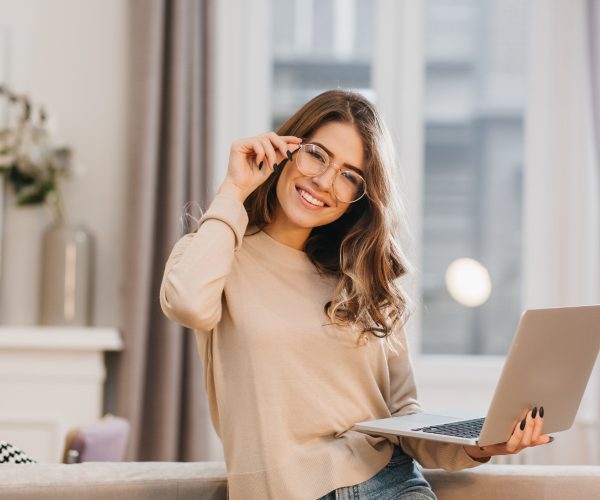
[(517, 482), (114, 481)]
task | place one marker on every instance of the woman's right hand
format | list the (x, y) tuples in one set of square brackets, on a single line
[(245, 172)]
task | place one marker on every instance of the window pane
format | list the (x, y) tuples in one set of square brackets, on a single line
[(474, 103), (324, 44)]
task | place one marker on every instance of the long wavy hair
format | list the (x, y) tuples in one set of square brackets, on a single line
[(360, 248)]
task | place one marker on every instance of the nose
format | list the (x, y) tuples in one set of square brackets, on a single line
[(325, 179)]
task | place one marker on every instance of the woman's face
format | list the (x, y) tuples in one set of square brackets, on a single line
[(307, 202)]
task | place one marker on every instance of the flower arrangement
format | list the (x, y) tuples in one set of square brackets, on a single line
[(31, 162)]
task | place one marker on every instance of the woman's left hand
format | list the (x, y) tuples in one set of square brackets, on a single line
[(527, 433)]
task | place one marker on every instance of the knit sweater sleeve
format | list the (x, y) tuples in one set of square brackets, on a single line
[(403, 401), (195, 273)]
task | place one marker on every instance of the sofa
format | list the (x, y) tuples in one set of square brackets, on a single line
[(207, 481)]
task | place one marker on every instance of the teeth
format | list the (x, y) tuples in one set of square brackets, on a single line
[(310, 199)]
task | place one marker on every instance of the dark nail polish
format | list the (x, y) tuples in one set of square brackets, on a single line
[(260, 165), (289, 155), (522, 426), (551, 439), (541, 412), (274, 166), (534, 412)]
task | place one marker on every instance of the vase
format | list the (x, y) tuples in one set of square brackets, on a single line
[(21, 242), (67, 275)]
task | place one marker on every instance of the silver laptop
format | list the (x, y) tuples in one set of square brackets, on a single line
[(549, 364)]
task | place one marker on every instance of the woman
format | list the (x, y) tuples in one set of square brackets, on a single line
[(290, 283)]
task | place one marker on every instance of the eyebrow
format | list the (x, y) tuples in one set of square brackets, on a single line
[(352, 167)]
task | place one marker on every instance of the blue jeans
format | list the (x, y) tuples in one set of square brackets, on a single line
[(400, 479)]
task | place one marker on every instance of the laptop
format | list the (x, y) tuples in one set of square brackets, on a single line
[(549, 364)]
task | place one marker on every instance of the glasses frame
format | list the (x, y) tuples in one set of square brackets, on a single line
[(337, 168)]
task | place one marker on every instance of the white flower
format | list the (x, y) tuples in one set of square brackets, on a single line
[(39, 157), (7, 140), (7, 160)]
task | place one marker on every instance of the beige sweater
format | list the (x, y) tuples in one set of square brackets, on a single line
[(284, 387)]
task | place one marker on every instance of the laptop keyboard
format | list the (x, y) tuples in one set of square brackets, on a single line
[(464, 428)]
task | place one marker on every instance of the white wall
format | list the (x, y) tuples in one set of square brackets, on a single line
[(71, 55)]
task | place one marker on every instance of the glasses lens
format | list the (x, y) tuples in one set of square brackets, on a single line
[(312, 160), (349, 186)]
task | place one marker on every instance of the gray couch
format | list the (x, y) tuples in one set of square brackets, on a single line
[(207, 480)]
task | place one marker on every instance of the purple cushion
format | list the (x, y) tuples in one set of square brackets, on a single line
[(104, 441)]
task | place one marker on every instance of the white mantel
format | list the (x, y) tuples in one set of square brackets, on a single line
[(53, 338), (51, 380)]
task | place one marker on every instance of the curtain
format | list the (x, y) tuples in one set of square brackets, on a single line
[(594, 58), (594, 41), (159, 374), (561, 210)]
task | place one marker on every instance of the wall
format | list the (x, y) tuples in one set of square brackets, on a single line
[(70, 55)]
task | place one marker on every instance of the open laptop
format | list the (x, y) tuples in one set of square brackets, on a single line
[(549, 364)]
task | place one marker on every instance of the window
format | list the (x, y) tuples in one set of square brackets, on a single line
[(473, 118), (323, 44), (473, 122)]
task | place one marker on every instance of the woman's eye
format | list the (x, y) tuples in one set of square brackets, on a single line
[(350, 176), (317, 156)]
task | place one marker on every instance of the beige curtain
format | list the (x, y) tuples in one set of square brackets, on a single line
[(561, 232), (594, 39), (159, 375)]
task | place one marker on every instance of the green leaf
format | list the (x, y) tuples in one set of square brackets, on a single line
[(19, 179), (38, 195)]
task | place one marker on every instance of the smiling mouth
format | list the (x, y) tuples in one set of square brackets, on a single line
[(311, 200)]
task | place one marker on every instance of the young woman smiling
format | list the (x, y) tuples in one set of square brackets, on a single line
[(290, 283)]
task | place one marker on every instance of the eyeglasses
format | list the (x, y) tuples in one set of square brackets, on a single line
[(313, 160)]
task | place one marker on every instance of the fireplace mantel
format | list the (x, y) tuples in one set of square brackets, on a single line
[(51, 380)]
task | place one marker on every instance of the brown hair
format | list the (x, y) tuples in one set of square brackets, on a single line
[(360, 248)]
